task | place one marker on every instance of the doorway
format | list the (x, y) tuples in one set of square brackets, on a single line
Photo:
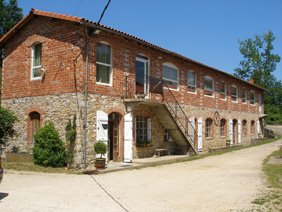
[(113, 133), (235, 132), (142, 75)]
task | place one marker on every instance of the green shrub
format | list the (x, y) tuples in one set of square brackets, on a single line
[(49, 149), (70, 138), (7, 120), (100, 148)]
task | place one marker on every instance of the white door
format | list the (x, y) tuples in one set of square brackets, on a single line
[(258, 128), (260, 103), (200, 132), (239, 131), (102, 130), (128, 137), (142, 75), (231, 131), (191, 127)]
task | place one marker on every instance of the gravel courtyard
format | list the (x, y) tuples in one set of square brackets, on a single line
[(227, 182)]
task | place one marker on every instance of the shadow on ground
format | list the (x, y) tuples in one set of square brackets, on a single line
[(3, 195)]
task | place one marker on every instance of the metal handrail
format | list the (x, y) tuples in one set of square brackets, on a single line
[(177, 105)]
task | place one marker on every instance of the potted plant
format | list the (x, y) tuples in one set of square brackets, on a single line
[(100, 148)]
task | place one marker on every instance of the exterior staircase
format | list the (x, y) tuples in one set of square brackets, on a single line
[(171, 115)]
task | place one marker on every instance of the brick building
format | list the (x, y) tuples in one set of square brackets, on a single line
[(139, 96)]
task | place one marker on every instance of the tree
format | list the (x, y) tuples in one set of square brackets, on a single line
[(259, 62), (10, 14), (7, 120)]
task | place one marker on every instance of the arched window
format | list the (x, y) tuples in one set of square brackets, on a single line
[(222, 127), (208, 128), (253, 129), (34, 124), (208, 85), (103, 64), (170, 75), (244, 128)]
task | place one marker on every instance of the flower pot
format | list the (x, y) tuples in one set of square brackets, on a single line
[(100, 163)]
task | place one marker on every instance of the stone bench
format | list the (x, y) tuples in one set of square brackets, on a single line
[(159, 151)]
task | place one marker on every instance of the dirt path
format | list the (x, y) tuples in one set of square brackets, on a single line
[(218, 183)]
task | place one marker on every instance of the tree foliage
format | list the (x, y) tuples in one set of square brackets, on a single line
[(7, 120), (10, 14), (49, 149), (259, 63)]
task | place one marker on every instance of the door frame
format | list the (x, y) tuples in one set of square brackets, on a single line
[(141, 58)]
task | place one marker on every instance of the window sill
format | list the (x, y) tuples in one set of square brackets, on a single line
[(36, 79), (104, 84), (172, 89), (234, 101), (209, 138), (191, 92), (210, 96), (223, 136)]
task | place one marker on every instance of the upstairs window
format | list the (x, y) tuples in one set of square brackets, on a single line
[(252, 97), (103, 64), (222, 90), (36, 61), (244, 95), (191, 81), (170, 76), (234, 93), (208, 85)]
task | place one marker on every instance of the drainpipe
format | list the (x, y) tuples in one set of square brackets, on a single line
[(1, 66), (85, 99)]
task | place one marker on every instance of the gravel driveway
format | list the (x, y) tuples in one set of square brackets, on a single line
[(217, 183)]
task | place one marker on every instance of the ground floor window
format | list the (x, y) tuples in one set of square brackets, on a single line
[(167, 136), (244, 127), (253, 129), (222, 127), (141, 129), (208, 129)]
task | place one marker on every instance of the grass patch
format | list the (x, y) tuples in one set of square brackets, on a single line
[(30, 166), (273, 171), (273, 199)]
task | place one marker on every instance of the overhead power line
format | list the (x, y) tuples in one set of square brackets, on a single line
[(109, 1)]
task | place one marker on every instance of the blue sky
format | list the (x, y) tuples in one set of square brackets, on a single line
[(204, 30)]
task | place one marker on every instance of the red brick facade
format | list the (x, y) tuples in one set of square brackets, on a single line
[(63, 59)]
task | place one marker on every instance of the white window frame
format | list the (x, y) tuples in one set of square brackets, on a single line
[(206, 89), (177, 72), (105, 64), (236, 96), (31, 65), (251, 98), (224, 93), (192, 87), (244, 93)]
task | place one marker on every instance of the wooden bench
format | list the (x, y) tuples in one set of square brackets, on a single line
[(159, 151)]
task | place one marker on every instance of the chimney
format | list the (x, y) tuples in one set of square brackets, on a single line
[(251, 81)]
